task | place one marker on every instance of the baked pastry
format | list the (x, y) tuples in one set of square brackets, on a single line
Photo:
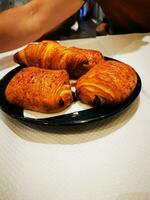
[(40, 90), (36, 54), (93, 56), (52, 55), (108, 83)]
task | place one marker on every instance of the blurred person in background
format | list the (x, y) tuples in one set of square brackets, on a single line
[(27, 23), (64, 30), (38, 19), (124, 16)]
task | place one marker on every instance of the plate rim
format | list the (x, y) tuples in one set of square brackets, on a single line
[(75, 119)]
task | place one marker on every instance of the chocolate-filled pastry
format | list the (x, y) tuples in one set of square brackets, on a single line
[(108, 83), (40, 90), (52, 55), (93, 56)]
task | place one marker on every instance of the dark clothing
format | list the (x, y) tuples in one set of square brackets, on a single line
[(127, 16), (5, 4)]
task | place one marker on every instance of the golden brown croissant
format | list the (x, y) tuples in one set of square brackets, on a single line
[(40, 90), (52, 55), (108, 83)]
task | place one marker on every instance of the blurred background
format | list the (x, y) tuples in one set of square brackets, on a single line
[(82, 24)]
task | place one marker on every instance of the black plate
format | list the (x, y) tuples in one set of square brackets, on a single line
[(74, 118)]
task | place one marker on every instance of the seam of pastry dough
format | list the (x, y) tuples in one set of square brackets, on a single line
[(96, 87)]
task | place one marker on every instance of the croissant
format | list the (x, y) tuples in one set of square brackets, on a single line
[(108, 83), (52, 55), (40, 90)]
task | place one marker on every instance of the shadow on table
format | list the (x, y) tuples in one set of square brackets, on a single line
[(73, 134)]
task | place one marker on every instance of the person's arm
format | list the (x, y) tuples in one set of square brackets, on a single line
[(21, 25)]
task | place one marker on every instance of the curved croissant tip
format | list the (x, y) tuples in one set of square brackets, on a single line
[(15, 57)]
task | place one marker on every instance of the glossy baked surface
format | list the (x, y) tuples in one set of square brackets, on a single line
[(80, 117)]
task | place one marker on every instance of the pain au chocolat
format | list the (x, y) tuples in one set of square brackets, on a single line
[(40, 90), (53, 55), (108, 83)]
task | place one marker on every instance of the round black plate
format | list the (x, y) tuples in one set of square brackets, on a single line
[(79, 117)]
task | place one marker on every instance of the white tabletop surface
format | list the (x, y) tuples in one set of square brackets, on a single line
[(107, 160)]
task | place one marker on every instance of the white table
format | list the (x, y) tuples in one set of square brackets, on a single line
[(107, 160)]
